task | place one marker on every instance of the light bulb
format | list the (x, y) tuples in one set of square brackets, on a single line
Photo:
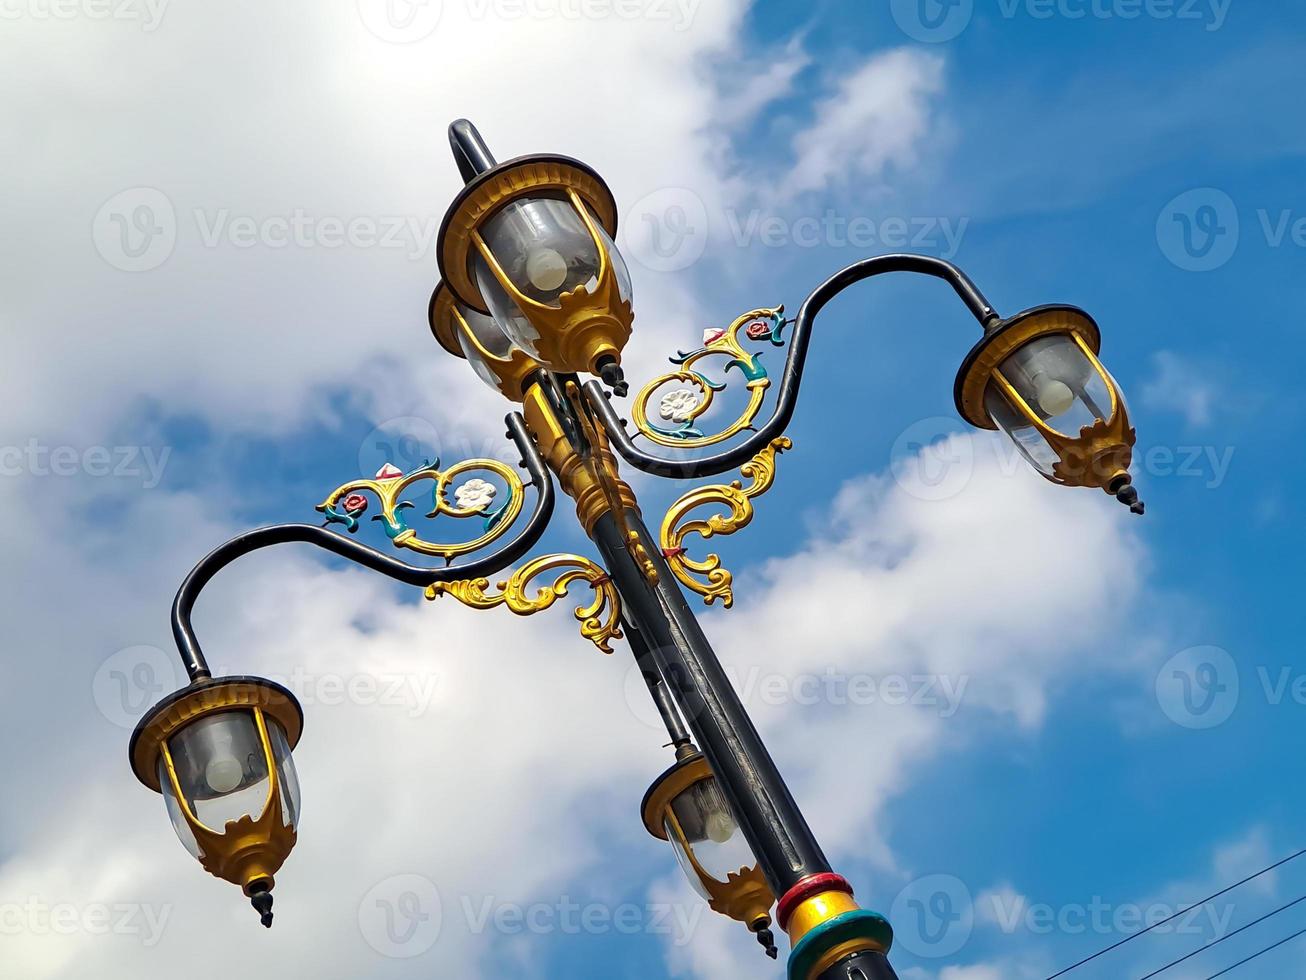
[(1055, 397), (224, 774), (719, 826), (546, 269)]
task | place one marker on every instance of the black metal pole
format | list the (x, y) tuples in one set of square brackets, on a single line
[(470, 150), (663, 699), (767, 813), (861, 966)]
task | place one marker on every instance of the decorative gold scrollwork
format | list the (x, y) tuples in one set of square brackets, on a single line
[(684, 406), (600, 620), (719, 581), (473, 498)]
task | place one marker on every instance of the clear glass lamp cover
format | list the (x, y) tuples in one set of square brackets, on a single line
[(491, 337), (545, 250), (711, 832), (222, 772), (1060, 385)]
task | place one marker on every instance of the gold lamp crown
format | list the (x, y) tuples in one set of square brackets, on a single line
[(1037, 377), (220, 753)]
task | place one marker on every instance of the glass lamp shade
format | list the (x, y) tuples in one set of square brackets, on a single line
[(1056, 387), (534, 253), (483, 336), (708, 835), (544, 248), (479, 339)]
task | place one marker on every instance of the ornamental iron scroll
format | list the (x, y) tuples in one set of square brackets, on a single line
[(600, 620), (472, 498), (685, 405), (716, 582)]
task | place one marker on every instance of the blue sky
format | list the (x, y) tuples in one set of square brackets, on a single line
[(1144, 167)]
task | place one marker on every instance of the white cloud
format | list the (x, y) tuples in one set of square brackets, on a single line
[(334, 125), (873, 126), (746, 91), (1180, 386)]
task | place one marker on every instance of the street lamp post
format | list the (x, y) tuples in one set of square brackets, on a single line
[(534, 294)]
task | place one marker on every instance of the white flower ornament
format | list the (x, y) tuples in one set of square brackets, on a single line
[(678, 405), (475, 494)]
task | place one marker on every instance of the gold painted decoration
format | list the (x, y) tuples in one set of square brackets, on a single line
[(600, 620), (706, 576), (474, 497), (683, 406), (604, 466)]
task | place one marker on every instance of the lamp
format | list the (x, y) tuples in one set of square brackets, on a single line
[(530, 242), (220, 753), (686, 807), (1036, 376)]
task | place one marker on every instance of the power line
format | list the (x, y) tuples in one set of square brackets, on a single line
[(1228, 969), (1141, 932), (1228, 935)]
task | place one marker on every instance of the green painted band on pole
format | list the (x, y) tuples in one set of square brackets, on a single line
[(858, 924)]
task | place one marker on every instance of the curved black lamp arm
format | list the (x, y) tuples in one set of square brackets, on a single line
[(787, 399), (331, 541)]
